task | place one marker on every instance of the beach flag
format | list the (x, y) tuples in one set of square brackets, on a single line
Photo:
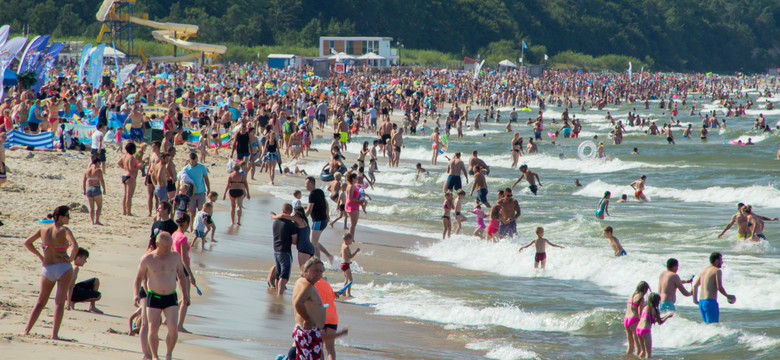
[(525, 46), (32, 53), (7, 54), (124, 74), (85, 52), (96, 66), (629, 71), (546, 57), (4, 31), (46, 64)]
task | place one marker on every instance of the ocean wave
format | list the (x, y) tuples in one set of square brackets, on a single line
[(758, 195)]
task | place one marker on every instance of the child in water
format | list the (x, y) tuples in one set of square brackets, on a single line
[(494, 223), (346, 260), (480, 231), (650, 315), (541, 244), (614, 242), (459, 217)]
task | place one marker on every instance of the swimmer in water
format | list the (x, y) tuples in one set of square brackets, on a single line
[(614, 242), (541, 244), (603, 207), (639, 188)]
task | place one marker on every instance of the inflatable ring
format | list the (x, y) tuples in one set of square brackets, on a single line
[(325, 175), (587, 145)]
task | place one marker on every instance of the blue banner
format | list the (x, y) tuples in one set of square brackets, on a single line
[(83, 61), (47, 62), (33, 53), (96, 66)]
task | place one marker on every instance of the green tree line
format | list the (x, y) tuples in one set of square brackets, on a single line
[(680, 35)]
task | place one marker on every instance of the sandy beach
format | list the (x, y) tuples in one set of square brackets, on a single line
[(40, 181)]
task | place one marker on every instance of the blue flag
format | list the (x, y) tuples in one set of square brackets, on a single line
[(32, 54), (96, 66), (83, 61), (524, 45), (47, 62)]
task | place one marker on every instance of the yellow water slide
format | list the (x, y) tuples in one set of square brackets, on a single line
[(170, 33)]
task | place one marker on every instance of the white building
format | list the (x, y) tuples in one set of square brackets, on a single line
[(358, 46)]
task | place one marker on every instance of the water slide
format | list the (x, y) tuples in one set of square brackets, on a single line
[(170, 33)]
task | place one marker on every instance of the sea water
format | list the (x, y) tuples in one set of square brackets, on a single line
[(574, 308)]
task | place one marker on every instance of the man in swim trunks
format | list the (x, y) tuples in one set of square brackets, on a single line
[(711, 281), (510, 211), (162, 267), (136, 120), (309, 312), (639, 187), (531, 176), (480, 184), (669, 283), (384, 135), (474, 161), (285, 233), (454, 169), (743, 230)]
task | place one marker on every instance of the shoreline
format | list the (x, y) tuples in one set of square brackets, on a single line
[(36, 185)]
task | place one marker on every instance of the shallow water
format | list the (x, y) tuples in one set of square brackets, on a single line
[(574, 308)]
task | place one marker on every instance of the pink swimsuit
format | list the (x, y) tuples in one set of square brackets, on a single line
[(641, 332)]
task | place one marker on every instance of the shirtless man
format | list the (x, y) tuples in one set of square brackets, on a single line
[(154, 160), (757, 223), (454, 169), (384, 134), (343, 130), (669, 283), (309, 313), (531, 176), (474, 161), (136, 120), (743, 231), (397, 142), (711, 281), (531, 147), (480, 184), (160, 179), (162, 267), (510, 211), (639, 187)]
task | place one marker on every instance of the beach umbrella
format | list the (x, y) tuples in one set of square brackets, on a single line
[(9, 78), (507, 63)]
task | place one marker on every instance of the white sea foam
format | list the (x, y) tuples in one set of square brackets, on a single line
[(761, 196), (501, 351), (570, 163)]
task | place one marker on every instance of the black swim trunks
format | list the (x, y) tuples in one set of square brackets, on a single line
[(533, 188), (157, 301), (84, 290)]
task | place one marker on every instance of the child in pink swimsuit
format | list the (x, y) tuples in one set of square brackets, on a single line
[(650, 315), (480, 231), (633, 306)]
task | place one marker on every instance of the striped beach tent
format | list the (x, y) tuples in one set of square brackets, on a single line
[(40, 141)]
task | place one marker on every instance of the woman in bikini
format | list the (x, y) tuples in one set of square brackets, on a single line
[(237, 188), (650, 315), (447, 207), (129, 166), (631, 318), (57, 269), (215, 134), (517, 148), (91, 186)]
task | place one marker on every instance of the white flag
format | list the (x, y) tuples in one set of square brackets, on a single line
[(545, 57)]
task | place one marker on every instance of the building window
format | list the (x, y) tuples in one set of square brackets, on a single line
[(376, 46), (332, 46), (364, 48), (350, 48)]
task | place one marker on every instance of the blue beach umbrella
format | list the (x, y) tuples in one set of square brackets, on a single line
[(10, 78)]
